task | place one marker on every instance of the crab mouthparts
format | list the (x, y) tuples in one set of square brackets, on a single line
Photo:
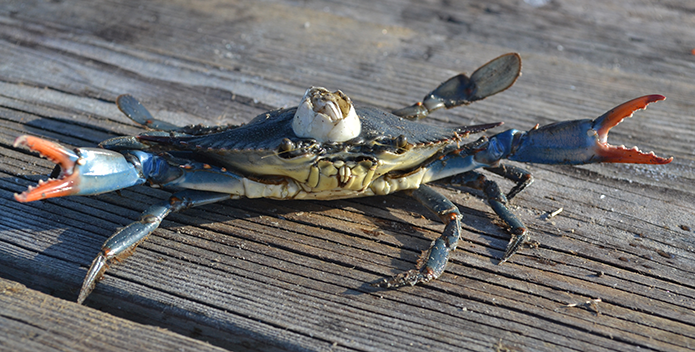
[(65, 184), (621, 154)]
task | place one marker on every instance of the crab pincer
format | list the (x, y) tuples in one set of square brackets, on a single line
[(584, 141), (81, 171), (66, 159), (620, 154)]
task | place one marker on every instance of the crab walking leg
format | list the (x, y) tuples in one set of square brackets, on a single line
[(132, 108), (498, 202), (490, 79), (440, 250), (522, 177), (123, 243)]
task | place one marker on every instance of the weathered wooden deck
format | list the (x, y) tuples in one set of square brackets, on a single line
[(273, 276)]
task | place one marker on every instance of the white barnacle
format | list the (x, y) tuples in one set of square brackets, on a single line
[(326, 116)]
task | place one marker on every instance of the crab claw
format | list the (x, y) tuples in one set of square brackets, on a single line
[(610, 119), (584, 141), (82, 171)]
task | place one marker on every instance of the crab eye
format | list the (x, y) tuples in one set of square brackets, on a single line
[(286, 146), (401, 141), (402, 144)]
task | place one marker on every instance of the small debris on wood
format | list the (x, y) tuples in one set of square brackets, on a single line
[(544, 261), (556, 212), (551, 215), (589, 304), (374, 233), (533, 244), (500, 347), (664, 254)]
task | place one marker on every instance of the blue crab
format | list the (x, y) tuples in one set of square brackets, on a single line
[(328, 149)]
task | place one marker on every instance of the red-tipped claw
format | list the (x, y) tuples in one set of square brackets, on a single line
[(83, 171), (583, 141), (620, 154), (65, 184)]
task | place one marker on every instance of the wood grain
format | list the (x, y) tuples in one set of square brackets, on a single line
[(37, 321), (258, 275)]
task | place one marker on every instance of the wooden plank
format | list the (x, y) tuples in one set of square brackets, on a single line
[(269, 275), (35, 321)]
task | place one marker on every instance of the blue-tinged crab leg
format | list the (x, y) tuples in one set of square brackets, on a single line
[(491, 78), (123, 243), (498, 202), (132, 108), (569, 142), (522, 177), (433, 261), (91, 171)]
